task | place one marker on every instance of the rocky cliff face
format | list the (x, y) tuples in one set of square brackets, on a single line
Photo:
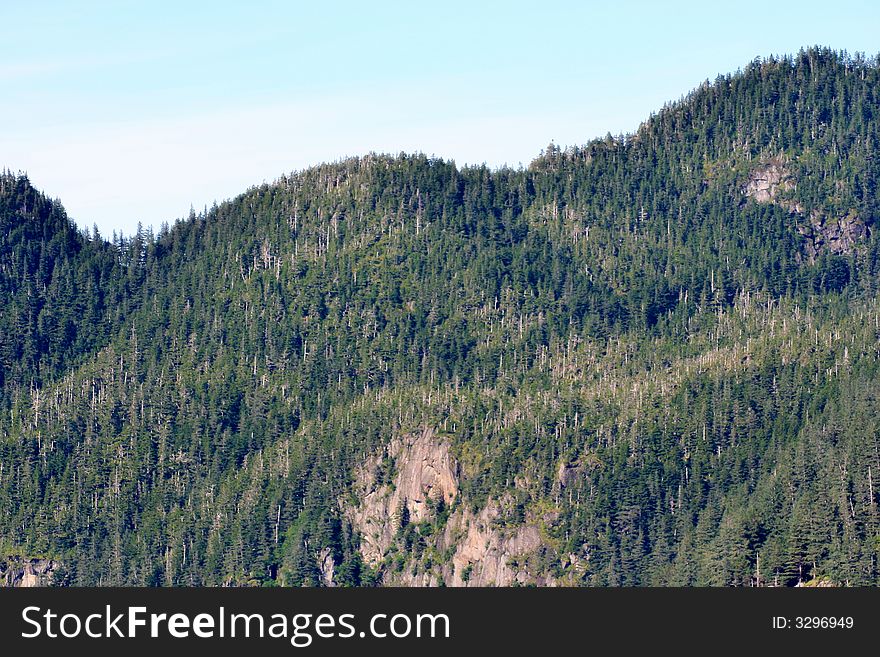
[(405, 487), (822, 230), (23, 572), (411, 472), (768, 181), (487, 554), (839, 235), (327, 567)]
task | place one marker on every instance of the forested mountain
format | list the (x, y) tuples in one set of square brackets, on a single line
[(650, 360)]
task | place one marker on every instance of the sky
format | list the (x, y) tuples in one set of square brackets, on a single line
[(138, 111)]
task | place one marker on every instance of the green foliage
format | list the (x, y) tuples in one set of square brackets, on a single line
[(188, 408)]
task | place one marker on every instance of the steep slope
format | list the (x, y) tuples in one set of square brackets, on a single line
[(641, 361), (57, 285)]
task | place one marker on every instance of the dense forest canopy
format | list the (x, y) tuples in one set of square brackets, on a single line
[(657, 351)]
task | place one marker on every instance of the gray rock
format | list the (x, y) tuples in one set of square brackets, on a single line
[(26, 573)]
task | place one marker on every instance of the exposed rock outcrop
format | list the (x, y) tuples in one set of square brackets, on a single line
[(478, 547), (838, 235), (327, 567), (486, 555), (484, 552), (769, 182), (567, 473), (26, 573), (423, 471)]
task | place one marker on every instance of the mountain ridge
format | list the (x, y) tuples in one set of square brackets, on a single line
[(627, 354)]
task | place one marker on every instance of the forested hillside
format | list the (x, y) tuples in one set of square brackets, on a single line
[(649, 360)]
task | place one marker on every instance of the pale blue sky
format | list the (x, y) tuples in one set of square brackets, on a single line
[(135, 111)]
